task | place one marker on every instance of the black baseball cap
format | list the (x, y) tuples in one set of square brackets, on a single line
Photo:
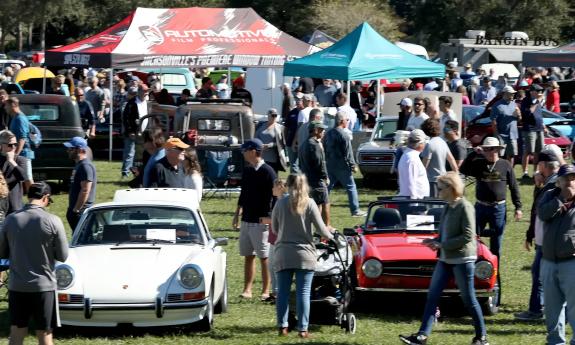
[(38, 190), (535, 87)]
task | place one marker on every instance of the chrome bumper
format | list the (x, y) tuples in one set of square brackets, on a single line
[(478, 292), (159, 306)]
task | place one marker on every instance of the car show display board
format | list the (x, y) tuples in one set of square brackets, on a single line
[(184, 37)]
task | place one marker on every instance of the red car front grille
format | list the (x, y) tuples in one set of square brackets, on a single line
[(409, 268)]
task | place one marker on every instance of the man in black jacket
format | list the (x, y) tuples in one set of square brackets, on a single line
[(557, 211), (311, 156), (548, 166), (136, 107), (13, 169)]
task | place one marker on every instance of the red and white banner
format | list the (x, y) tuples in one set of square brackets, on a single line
[(184, 37)]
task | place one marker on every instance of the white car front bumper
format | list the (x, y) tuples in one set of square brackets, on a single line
[(158, 313)]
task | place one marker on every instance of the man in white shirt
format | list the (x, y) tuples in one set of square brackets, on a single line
[(308, 105), (418, 116), (412, 175), (446, 112), (342, 106)]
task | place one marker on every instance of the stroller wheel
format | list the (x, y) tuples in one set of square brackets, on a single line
[(350, 323)]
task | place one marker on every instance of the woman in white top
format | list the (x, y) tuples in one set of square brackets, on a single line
[(193, 171)]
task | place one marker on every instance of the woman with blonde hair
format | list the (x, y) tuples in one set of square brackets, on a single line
[(292, 220), (457, 247), (192, 169)]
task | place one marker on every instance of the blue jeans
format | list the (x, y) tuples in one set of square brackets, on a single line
[(496, 217), (464, 277), (345, 178), (303, 280), (128, 155), (558, 280), (536, 297), (292, 156)]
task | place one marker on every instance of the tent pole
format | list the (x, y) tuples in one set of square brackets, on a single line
[(111, 118), (378, 97), (44, 81), (348, 83), (229, 80)]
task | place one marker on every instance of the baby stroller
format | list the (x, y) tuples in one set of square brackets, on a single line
[(331, 286)]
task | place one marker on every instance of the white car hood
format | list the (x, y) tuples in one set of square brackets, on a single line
[(128, 273), (376, 146)]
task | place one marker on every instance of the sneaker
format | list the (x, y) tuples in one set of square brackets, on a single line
[(480, 341), (525, 176), (414, 339), (359, 213), (529, 316)]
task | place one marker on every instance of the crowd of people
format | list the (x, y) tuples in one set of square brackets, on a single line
[(276, 219)]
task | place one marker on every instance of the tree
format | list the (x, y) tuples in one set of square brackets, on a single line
[(339, 17)]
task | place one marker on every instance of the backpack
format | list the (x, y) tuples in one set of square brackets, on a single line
[(34, 135)]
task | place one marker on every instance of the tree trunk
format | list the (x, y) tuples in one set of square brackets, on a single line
[(3, 34), (30, 33), (43, 34), (19, 37)]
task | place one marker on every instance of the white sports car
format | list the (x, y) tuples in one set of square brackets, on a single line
[(145, 259)]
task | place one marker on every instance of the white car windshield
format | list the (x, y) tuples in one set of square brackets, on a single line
[(140, 224), (385, 130)]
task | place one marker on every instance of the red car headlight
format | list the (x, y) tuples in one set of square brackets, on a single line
[(372, 268), (483, 270)]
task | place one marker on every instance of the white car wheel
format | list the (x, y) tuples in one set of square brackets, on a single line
[(207, 323), (222, 305)]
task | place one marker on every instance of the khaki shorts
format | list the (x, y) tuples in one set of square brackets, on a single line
[(510, 148), (254, 240), (533, 142)]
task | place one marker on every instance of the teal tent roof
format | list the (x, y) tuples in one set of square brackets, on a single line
[(363, 54)]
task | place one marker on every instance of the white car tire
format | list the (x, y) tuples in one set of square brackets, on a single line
[(207, 323), (222, 306)]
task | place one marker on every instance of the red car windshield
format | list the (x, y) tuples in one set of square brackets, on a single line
[(405, 215)]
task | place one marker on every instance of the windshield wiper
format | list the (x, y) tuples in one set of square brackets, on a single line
[(422, 223), (154, 241)]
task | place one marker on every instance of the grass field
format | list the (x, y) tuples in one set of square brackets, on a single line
[(253, 322)]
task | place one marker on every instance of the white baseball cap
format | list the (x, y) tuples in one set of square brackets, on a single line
[(406, 102)]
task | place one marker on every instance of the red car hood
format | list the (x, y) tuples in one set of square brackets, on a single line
[(398, 246)]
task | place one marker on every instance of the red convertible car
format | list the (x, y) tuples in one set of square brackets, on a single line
[(389, 256)]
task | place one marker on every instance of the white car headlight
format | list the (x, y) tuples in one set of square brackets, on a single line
[(64, 277), (191, 276), (483, 270), (372, 268)]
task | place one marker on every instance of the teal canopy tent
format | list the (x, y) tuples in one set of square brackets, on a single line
[(361, 55)]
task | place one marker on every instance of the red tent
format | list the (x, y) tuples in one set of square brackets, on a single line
[(184, 37)]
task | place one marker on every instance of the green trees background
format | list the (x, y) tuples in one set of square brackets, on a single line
[(33, 24)]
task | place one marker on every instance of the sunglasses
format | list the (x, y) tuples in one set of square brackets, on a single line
[(419, 104), (489, 149), (176, 149), (11, 144)]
